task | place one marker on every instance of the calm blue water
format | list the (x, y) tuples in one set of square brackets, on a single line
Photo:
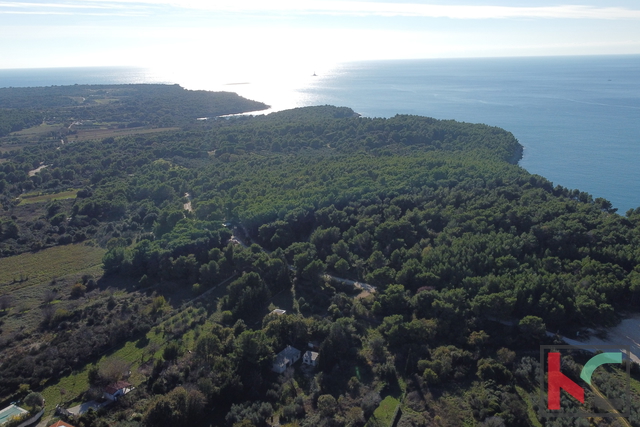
[(70, 76), (578, 117)]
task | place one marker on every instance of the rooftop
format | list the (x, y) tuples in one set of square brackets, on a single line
[(288, 354), (61, 424), (112, 388), (312, 355)]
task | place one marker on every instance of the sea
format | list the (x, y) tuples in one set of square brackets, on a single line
[(578, 117)]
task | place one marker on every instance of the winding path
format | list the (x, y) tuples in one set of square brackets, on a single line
[(359, 285)]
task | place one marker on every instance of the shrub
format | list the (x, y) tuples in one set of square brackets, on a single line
[(78, 290), (34, 401), (60, 315), (197, 288), (158, 304)]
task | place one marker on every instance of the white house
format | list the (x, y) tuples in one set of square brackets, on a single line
[(310, 358), (285, 358), (114, 391)]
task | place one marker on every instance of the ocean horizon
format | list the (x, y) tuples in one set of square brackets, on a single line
[(578, 118)]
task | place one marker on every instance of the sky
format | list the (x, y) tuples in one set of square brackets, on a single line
[(226, 35)]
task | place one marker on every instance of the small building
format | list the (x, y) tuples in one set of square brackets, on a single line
[(310, 358), (279, 311), (116, 390), (285, 358), (61, 424)]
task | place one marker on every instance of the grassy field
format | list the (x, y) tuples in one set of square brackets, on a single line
[(38, 198), (37, 131), (384, 413), (25, 278), (35, 268), (89, 134), (10, 147), (29, 135), (102, 101)]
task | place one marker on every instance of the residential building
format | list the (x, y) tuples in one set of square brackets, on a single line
[(310, 358), (285, 358), (116, 390)]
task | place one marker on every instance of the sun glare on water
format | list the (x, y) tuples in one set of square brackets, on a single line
[(279, 83), (266, 65)]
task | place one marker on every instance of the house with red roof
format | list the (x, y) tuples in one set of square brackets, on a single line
[(116, 390), (61, 424)]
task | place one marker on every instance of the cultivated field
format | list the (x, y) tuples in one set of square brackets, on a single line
[(30, 269), (10, 147), (25, 279), (41, 266), (37, 131), (89, 134), (38, 198)]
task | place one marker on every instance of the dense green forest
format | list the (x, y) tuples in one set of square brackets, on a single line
[(467, 260), (157, 105), (12, 120)]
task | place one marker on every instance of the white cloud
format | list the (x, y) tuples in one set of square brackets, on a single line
[(53, 5), (48, 12), (356, 8), (413, 9), (72, 8)]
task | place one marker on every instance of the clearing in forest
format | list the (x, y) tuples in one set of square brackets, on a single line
[(38, 198), (34, 268)]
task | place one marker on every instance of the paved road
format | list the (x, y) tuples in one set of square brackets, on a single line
[(359, 285)]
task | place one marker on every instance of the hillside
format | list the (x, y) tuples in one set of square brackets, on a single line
[(467, 261)]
